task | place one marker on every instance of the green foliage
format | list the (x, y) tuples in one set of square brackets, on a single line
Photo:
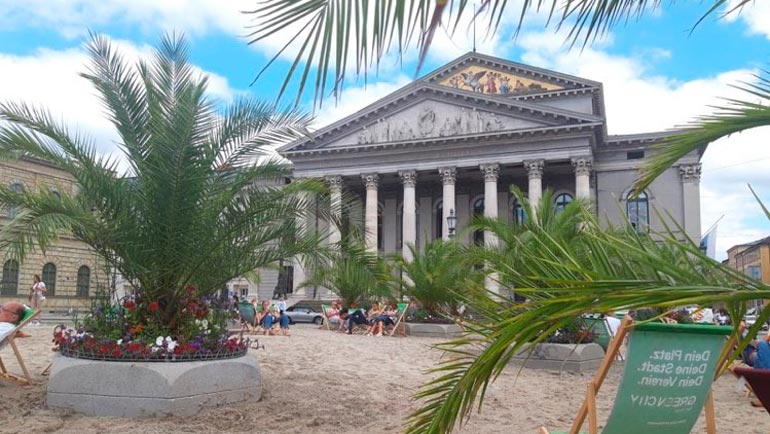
[(354, 274), (598, 270), (200, 202), (438, 274), (327, 34)]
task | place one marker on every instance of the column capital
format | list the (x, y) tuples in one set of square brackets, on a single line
[(534, 168), (408, 177), (690, 172), (490, 171), (371, 180), (448, 175), (583, 165), (334, 182)]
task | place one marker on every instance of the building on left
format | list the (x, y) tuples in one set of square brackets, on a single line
[(71, 271)]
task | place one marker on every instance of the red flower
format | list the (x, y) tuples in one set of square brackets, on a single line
[(116, 352), (129, 304), (190, 289), (153, 306), (178, 350)]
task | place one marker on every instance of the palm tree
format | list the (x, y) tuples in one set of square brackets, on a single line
[(597, 270), (328, 33), (437, 275), (200, 202), (353, 273)]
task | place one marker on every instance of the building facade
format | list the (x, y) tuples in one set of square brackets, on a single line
[(753, 259), (456, 140), (70, 269)]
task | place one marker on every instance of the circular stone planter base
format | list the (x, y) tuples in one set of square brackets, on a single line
[(149, 389), (433, 330)]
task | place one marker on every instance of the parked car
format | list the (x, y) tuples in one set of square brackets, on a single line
[(751, 317), (304, 314)]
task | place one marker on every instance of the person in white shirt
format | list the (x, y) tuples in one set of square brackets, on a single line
[(281, 304), (37, 294)]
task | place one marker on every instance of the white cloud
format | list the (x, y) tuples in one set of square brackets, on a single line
[(756, 16), (638, 100), (50, 79)]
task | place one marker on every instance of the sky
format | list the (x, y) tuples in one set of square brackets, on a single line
[(656, 73)]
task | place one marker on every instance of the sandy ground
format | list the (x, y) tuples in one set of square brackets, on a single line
[(322, 382)]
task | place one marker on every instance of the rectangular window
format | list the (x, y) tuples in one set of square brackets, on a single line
[(634, 155), (754, 271)]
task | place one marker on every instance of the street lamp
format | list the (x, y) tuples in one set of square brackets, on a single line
[(451, 221)]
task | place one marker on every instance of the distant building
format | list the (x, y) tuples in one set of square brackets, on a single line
[(70, 269), (753, 259), (454, 142)]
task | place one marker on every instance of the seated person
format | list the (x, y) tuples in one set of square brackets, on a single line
[(762, 358), (333, 313), (373, 313), (269, 315), (10, 314), (353, 319), (387, 317)]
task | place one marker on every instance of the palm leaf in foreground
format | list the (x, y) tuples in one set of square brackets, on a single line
[(601, 271)]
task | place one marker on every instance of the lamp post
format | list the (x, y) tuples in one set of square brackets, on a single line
[(451, 221)]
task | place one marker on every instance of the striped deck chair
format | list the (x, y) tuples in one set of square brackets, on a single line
[(10, 340)]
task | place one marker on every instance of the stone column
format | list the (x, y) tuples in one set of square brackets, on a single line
[(535, 175), (690, 175), (371, 181), (583, 167), (300, 276), (490, 172), (409, 223), (335, 185), (448, 178)]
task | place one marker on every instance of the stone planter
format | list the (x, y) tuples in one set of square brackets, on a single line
[(148, 389), (561, 357), (433, 330)]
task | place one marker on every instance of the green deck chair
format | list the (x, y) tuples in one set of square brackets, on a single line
[(10, 340), (248, 314), (666, 380), (402, 308)]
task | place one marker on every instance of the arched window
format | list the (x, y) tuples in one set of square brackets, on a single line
[(562, 201), (13, 211), (10, 282), (84, 281), (638, 210), (478, 210), (438, 225), (517, 211), (49, 278)]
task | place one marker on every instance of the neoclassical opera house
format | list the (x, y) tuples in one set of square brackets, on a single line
[(454, 141)]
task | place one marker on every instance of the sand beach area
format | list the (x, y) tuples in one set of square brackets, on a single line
[(318, 381)]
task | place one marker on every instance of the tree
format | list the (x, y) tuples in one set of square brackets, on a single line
[(200, 202), (437, 274)]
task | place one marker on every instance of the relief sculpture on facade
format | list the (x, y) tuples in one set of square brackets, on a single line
[(429, 124)]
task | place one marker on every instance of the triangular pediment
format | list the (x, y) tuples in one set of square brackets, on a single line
[(426, 111), (433, 118), (487, 75)]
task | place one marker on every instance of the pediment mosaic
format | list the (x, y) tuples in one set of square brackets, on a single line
[(432, 119), (493, 82)]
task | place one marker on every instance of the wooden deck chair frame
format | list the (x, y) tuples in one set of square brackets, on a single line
[(400, 319), (326, 319), (10, 340), (588, 408)]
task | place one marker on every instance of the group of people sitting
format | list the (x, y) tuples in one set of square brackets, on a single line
[(376, 319), (268, 315)]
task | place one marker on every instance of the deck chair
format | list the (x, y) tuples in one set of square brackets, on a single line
[(651, 401), (759, 380), (248, 316), (29, 315), (601, 327), (329, 325), (402, 308)]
